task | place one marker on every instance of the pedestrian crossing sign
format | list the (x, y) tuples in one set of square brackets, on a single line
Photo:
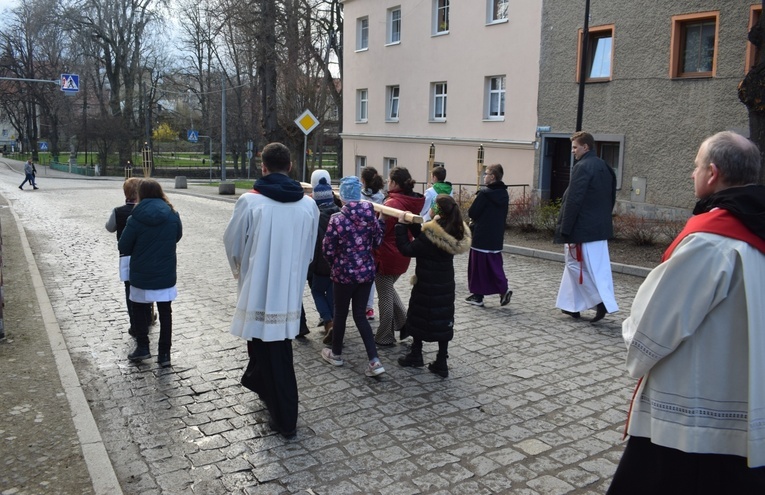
[(192, 136), (70, 83)]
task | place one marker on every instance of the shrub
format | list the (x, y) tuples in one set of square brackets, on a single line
[(523, 212), (669, 229), (636, 229), (547, 216)]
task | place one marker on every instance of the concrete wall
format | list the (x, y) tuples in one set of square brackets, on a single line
[(663, 120), (472, 50)]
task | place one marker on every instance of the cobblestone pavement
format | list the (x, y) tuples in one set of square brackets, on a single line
[(534, 404)]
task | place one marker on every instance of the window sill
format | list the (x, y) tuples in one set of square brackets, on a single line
[(693, 75), (439, 33), (393, 43), (494, 119), (437, 121), (391, 121), (358, 50), (362, 121), (497, 21), (598, 80)]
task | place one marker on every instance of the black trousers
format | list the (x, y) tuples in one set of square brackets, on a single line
[(271, 374), (647, 468), (142, 320)]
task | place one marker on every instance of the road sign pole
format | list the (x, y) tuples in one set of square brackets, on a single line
[(305, 153)]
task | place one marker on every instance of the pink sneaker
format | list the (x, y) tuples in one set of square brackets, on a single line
[(370, 314)]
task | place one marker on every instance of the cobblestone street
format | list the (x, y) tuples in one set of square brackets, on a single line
[(534, 404)]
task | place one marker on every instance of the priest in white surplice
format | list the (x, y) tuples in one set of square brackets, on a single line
[(269, 243), (584, 227)]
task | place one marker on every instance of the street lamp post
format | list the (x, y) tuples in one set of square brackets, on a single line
[(583, 64)]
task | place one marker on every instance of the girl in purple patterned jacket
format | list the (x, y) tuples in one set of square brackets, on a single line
[(348, 245)]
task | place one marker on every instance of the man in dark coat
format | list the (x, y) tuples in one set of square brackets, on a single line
[(584, 227)]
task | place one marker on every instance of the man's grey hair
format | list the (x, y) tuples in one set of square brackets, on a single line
[(736, 157)]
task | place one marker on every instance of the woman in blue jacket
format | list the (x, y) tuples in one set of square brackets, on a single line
[(149, 238)]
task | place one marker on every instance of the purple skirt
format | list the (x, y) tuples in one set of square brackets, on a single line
[(486, 273)]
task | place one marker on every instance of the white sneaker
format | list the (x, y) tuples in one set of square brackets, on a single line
[(375, 368), (327, 355)]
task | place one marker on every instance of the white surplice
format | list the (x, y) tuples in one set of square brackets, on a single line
[(587, 282)]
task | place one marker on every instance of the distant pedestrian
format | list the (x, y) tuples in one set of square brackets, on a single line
[(150, 237), (349, 243), (319, 270), (430, 316), (372, 190), (29, 174), (269, 243), (695, 339), (488, 214), (116, 223), (584, 227), (440, 186), (391, 264)]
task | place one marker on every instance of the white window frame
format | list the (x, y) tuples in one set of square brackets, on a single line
[(493, 6), (362, 34), (440, 11), (392, 103), (439, 93), (388, 163), (500, 91), (362, 105), (393, 36), (361, 162)]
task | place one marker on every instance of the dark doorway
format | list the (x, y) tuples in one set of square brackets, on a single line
[(560, 162)]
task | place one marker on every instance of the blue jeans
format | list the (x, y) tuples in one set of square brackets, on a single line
[(323, 296)]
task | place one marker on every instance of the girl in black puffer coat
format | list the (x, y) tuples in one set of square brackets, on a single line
[(430, 317)]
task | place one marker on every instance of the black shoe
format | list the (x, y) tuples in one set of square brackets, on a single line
[(35, 187), (600, 312), (163, 359), (140, 353), (572, 314), (321, 323), (439, 368), (286, 434), (475, 300), (131, 332), (504, 300), (21, 187), (411, 361)]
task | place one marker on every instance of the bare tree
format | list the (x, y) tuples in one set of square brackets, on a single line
[(118, 30), (751, 91)]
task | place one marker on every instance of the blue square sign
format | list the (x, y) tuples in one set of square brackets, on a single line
[(70, 83)]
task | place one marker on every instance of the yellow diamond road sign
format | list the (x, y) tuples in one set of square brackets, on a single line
[(307, 122)]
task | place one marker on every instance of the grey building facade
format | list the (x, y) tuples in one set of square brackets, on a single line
[(661, 77)]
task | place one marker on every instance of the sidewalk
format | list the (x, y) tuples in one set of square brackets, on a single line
[(56, 449)]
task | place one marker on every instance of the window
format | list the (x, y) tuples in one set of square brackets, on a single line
[(753, 52), (362, 33), (361, 162), (388, 164), (495, 98), (497, 10), (391, 105), (394, 25), (440, 16), (362, 105), (438, 112), (600, 50), (610, 152), (694, 45)]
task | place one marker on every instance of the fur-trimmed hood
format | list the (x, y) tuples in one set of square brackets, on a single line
[(438, 236)]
